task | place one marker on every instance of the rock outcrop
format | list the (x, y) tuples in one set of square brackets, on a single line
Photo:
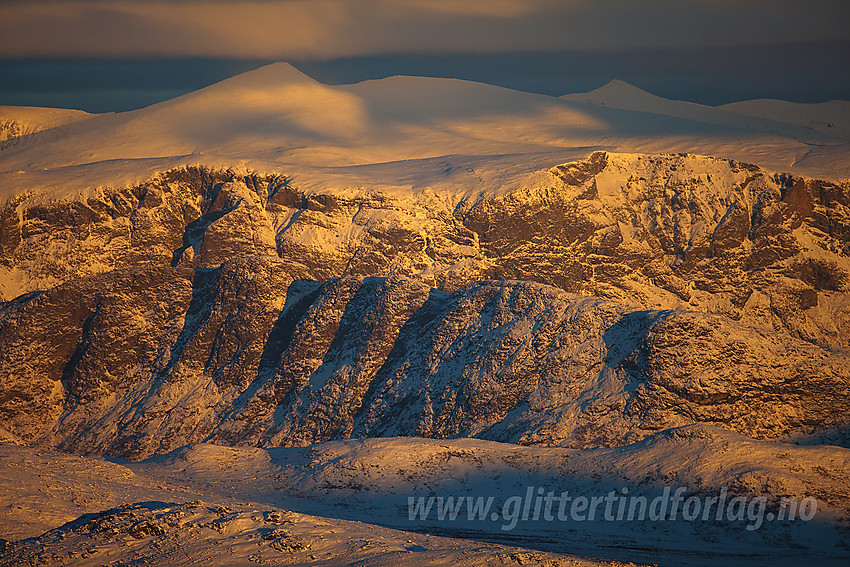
[(669, 232), (136, 363), (626, 294)]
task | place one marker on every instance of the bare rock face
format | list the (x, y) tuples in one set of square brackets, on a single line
[(633, 293), (189, 217), (668, 232), (686, 232), (138, 363)]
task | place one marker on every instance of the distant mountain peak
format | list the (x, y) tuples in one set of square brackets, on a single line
[(273, 73), (615, 93), (263, 79), (618, 85)]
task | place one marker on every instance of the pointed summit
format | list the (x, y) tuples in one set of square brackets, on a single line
[(267, 79), (275, 105), (271, 75), (617, 86), (616, 93)]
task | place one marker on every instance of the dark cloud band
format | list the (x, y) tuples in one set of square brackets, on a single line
[(322, 29)]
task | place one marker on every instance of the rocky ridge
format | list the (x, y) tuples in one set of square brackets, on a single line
[(670, 231), (203, 305), (137, 363)]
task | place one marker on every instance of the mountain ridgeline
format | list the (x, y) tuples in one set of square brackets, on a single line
[(620, 295)]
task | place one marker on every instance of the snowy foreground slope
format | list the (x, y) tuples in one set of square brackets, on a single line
[(168, 524), (228, 505), (290, 305)]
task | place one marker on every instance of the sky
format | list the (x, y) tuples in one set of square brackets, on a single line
[(115, 55)]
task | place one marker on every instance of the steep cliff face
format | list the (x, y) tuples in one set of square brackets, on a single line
[(189, 217), (203, 305), (670, 231), (136, 363), (682, 232)]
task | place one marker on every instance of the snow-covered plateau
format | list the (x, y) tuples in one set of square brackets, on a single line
[(256, 322)]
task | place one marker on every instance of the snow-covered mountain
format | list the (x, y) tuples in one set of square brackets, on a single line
[(831, 117), (608, 279), (19, 124), (808, 123), (275, 119)]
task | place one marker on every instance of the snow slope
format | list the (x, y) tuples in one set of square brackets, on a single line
[(832, 118), (99, 512), (275, 119), (19, 121), (203, 498), (373, 478), (756, 116)]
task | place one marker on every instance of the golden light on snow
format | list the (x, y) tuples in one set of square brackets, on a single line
[(278, 320)]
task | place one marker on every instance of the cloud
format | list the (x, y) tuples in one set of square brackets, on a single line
[(493, 8), (321, 29)]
